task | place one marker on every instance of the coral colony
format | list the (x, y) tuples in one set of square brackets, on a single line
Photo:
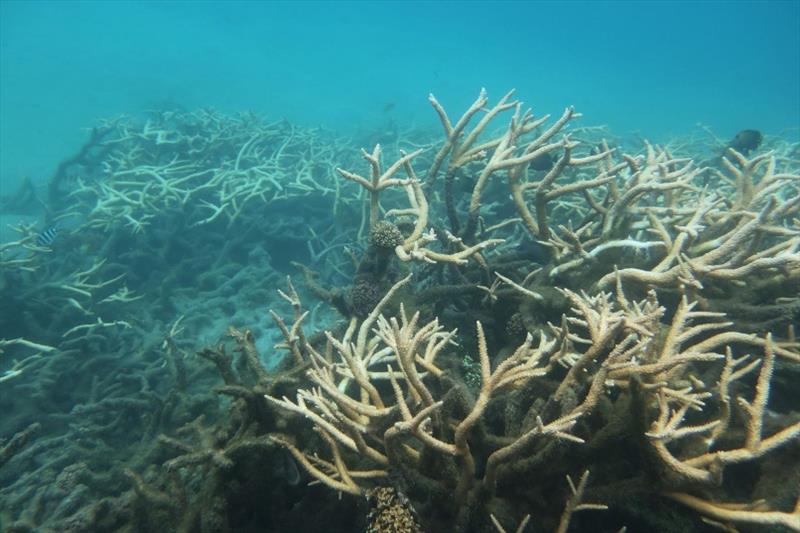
[(520, 325)]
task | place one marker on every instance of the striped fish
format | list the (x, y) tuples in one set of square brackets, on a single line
[(47, 236)]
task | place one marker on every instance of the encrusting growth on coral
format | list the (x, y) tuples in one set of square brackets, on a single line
[(390, 513)]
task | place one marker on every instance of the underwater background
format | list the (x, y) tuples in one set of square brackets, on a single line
[(209, 210), (657, 68)]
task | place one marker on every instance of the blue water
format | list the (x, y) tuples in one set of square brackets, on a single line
[(657, 68)]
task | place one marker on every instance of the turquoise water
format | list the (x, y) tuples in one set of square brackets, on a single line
[(251, 280), (657, 68)]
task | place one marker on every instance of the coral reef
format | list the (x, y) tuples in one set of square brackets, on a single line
[(481, 321)]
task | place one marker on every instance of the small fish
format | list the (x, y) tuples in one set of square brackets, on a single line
[(746, 141), (47, 236), (535, 251), (543, 162)]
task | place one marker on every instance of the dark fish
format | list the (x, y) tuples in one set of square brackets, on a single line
[(746, 141), (535, 251), (543, 162), (389, 106), (47, 236)]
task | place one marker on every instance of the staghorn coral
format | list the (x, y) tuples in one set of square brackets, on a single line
[(605, 344), (665, 387), (636, 354)]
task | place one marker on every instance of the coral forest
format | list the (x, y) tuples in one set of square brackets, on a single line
[(512, 323)]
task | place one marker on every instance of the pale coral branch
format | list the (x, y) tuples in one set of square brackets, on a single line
[(739, 513)]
